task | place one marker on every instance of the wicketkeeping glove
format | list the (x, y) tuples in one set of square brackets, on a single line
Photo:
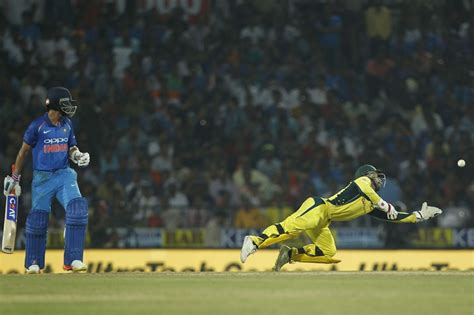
[(427, 212)]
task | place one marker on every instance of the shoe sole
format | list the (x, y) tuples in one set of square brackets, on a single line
[(69, 268), (242, 259), (32, 273), (283, 251)]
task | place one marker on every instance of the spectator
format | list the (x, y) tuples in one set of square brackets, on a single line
[(269, 164), (147, 205), (248, 216), (378, 22), (33, 88), (176, 198), (318, 94), (254, 32), (110, 189), (197, 215), (221, 181), (212, 237), (246, 175), (378, 71), (216, 91)]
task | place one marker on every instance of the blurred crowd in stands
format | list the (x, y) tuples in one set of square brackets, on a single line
[(220, 113)]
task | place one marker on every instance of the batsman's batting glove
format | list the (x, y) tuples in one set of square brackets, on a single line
[(11, 183), (82, 159)]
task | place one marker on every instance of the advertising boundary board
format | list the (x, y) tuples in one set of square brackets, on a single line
[(223, 260), (345, 237)]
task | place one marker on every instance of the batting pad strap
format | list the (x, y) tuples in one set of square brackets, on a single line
[(37, 222), (77, 212)]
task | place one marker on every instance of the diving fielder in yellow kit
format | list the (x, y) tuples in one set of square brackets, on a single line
[(315, 214)]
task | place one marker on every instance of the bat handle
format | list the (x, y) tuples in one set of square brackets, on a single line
[(13, 192)]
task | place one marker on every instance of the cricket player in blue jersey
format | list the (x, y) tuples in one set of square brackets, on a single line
[(53, 143)]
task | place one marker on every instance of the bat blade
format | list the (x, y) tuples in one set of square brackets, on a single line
[(9, 224)]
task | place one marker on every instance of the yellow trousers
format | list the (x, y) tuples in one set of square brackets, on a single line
[(311, 218)]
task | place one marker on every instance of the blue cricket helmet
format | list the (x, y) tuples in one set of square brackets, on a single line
[(60, 99)]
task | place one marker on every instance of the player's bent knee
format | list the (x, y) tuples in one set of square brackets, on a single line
[(328, 250), (37, 222), (331, 252), (77, 212)]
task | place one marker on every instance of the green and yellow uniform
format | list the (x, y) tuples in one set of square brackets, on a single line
[(315, 214)]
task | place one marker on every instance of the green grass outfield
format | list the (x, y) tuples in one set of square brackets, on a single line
[(378, 293)]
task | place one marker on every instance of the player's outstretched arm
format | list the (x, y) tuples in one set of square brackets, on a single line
[(402, 217), (389, 211), (82, 159), (13, 181), (425, 213)]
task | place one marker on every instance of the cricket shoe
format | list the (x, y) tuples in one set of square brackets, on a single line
[(427, 212), (33, 269), (76, 266), (283, 258), (248, 248)]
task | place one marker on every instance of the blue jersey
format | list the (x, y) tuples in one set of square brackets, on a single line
[(50, 143)]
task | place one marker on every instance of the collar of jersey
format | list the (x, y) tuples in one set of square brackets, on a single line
[(50, 124)]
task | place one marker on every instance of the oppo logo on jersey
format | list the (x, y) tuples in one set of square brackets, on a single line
[(55, 140), (55, 145)]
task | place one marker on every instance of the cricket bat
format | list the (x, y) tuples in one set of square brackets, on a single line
[(9, 224)]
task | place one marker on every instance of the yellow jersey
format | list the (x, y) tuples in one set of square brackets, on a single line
[(354, 200)]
